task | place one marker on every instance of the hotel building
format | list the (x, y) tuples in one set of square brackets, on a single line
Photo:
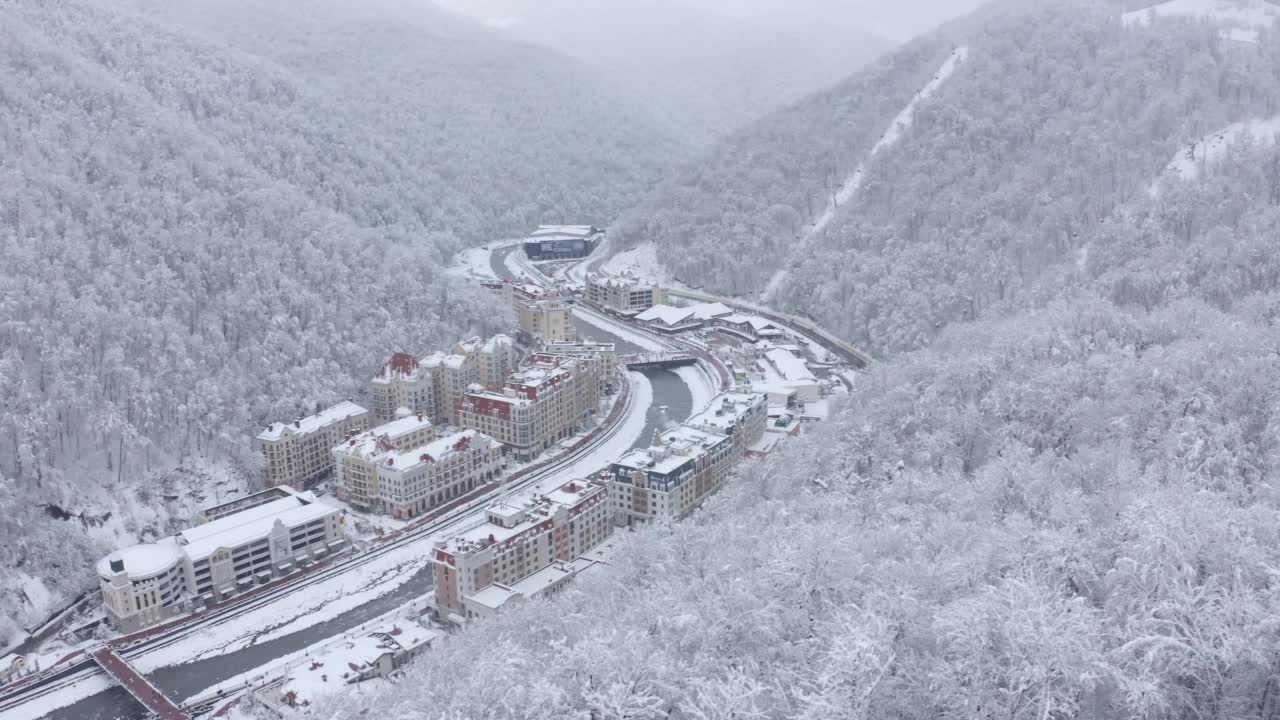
[(670, 479), (298, 453), (521, 549)]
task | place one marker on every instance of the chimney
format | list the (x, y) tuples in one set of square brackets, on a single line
[(117, 564)]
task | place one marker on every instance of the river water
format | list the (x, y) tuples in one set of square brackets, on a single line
[(672, 400)]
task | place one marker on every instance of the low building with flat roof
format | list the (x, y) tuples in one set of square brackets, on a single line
[(151, 582), (562, 242)]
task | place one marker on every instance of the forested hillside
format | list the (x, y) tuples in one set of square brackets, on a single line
[(1016, 166), (204, 231), (1060, 510)]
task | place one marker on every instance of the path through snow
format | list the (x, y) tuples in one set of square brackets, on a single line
[(846, 191), (1203, 153)]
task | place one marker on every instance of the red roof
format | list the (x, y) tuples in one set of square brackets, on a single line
[(401, 363)]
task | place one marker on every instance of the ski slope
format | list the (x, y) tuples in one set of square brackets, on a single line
[(1242, 18), (1188, 163), (891, 136)]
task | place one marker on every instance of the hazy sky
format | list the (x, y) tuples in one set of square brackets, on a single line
[(897, 20)]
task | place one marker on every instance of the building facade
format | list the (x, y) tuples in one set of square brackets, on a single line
[(433, 384), (670, 479), (601, 360), (298, 454), (146, 584), (540, 405), (356, 460), (422, 478), (562, 242), (522, 549), (401, 383), (622, 294)]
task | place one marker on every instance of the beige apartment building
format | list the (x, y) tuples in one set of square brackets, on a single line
[(299, 453), (422, 478), (356, 460), (622, 294), (401, 383), (523, 548), (540, 405)]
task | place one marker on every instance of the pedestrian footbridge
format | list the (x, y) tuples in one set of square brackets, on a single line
[(138, 686)]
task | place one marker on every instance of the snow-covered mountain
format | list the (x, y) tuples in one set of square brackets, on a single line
[(219, 213), (1054, 495), (706, 70), (1001, 175)]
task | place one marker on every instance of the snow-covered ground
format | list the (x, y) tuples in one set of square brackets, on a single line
[(702, 386), (846, 191), (361, 524), (286, 663), (45, 704), (473, 262), (642, 262), (1242, 18), (1203, 153)]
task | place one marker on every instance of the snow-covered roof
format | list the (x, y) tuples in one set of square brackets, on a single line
[(724, 410), (401, 366), (1240, 13), (436, 450), (757, 323), (675, 448), (493, 596), (540, 581), (435, 359), (621, 282), (145, 560), (565, 232), (497, 341), (235, 530), (453, 362), (322, 419), (382, 438), (789, 366), (666, 314), (528, 510), (230, 531), (706, 311)]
